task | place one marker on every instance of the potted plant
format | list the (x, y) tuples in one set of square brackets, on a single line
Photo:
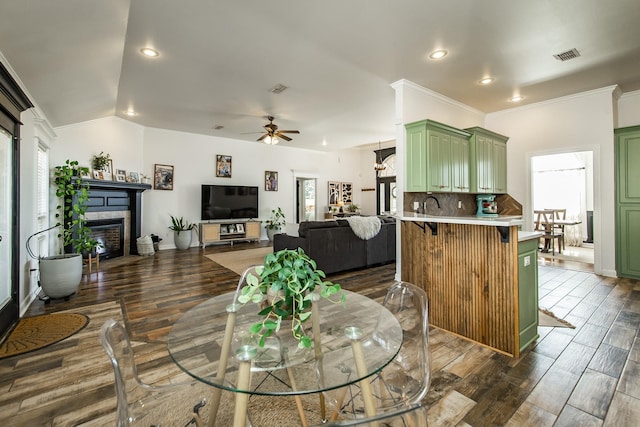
[(101, 161), (60, 274), (275, 223), (181, 232), (284, 289)]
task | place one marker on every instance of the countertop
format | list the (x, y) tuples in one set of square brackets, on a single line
[(496, 221), (528, 235)]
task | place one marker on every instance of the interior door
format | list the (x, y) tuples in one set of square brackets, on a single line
[(8, 294)]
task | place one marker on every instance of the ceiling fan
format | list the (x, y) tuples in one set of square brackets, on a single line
[(272, 133)]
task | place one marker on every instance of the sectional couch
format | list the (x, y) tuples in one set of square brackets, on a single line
[(335, 247)]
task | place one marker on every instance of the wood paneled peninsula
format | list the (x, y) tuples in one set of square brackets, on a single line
[(480, 274)]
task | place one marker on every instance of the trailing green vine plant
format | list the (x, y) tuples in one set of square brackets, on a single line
[(285, 287), (70, 213)]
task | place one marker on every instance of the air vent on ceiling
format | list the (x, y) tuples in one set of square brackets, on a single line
[(279, 88), (565, 56)]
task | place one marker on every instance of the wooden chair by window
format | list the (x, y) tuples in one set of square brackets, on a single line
[(559, 216), (545, 222)]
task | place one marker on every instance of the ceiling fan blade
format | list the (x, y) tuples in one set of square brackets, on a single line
[(285, 137), (249, 133), (262, 137), (288, 131)]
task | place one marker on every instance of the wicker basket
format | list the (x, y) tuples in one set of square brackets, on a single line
[(145, 246)]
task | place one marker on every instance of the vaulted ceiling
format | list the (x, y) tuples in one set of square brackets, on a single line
[(219, 60)]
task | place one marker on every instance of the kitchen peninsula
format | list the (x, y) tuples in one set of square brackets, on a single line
[(480, 274)]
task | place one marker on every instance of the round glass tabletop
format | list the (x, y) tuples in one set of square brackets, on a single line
[(359, 326)]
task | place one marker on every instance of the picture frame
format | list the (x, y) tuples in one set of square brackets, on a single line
[(162, 177), (133, 177), (223, 166), (223, 229), (334, 192), (271, 181), (240, 228), (347, 193), (97, 174), (121, 177)]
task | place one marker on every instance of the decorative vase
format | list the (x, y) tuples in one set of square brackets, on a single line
[(182, 239), (271, 232), (60, 275)]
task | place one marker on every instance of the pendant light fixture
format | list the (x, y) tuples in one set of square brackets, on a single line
[(379, 165)]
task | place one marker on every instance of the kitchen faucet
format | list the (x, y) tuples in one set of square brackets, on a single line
[(430, 197)]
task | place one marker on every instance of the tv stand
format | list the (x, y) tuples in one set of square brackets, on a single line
[(228, 231)]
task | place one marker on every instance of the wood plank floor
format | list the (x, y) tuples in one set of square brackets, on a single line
[(587, 376)]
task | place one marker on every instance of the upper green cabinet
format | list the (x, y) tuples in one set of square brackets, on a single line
[(627, 158), (487, 161), (437, 158)]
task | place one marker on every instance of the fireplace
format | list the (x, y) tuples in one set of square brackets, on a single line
[(110, 234), (116, 207)]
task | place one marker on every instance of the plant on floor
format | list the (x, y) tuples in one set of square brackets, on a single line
[(181, 224), (276, 221), (288, 281), (70, 213)]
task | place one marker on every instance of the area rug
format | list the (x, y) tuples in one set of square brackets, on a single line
[(239, 261), (547, 318), (33, 333)]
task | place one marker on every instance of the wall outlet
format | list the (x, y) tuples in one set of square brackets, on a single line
[(527, 261), (459, 204), (416, 205)]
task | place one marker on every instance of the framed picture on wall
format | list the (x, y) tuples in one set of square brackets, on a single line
[(271, 181), (223, 166), (334, 190), (347, 193), (162, 177)]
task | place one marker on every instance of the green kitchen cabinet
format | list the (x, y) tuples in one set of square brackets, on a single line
[(487, 161), (437, 158), (528, 291), (627, 203)]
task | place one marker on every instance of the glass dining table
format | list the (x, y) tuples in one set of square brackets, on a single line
[(352, 341)]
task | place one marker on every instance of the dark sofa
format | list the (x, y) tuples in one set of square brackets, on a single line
[(334, 246)]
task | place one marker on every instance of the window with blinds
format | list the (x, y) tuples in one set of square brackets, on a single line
[(42, 197)]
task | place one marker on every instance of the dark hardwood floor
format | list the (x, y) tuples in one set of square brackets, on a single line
[(587, 376)]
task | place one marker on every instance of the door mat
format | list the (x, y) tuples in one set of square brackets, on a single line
[(239, 261), (33, 333), (547, 318)]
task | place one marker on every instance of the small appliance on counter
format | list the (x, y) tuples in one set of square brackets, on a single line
[(487, 205)]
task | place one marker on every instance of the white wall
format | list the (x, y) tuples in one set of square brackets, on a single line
[(582, 122), (134, 147), (629, 109)]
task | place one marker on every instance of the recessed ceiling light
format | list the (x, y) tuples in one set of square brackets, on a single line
[(151, 53), (130, 112), (438, 54), (486, 81), (517, 98)]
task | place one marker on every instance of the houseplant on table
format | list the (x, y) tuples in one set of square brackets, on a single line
[(285, 287), (181, 232), (60, 274), (275, 223)]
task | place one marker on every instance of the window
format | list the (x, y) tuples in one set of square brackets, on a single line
[(42, 198)]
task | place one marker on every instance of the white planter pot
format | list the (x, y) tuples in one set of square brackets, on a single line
[(60, 274), (271, 232), (182, 239)]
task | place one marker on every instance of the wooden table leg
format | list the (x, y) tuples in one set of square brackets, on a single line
[(355, 334), (222, 364), (245, 355)]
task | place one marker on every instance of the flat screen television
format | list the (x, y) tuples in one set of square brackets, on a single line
[(229, 202)]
